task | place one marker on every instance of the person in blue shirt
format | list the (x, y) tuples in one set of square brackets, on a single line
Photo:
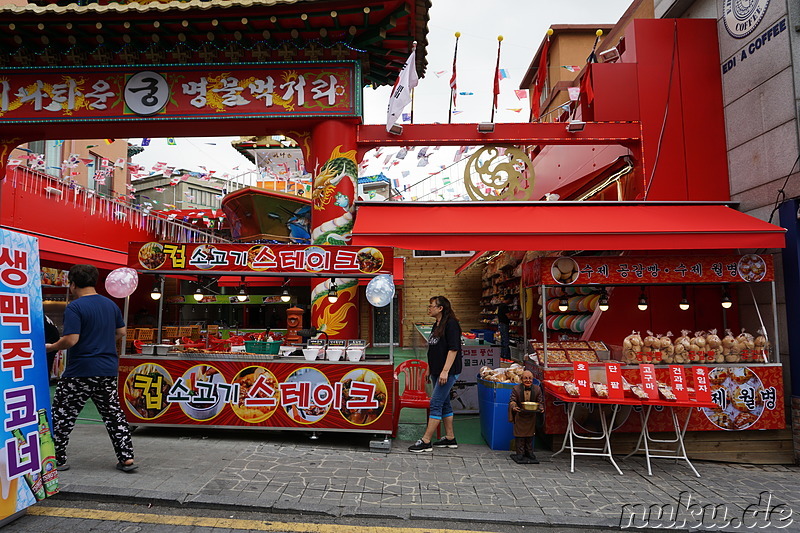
[(93, 326)]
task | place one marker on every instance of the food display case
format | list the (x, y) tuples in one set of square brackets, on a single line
[(319, 385), (653, 314)]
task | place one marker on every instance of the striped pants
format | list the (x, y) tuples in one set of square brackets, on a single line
[(71, 395)]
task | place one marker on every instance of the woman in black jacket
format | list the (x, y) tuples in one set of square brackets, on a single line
[(444, 364)]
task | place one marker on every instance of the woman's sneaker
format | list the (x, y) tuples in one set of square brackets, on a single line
[(420, 446), (444, 442)]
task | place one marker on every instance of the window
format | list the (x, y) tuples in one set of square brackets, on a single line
[(52, 155), (94, 169), (442, 253)]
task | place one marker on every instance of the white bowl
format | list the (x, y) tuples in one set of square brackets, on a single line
[(311, 354), (355, 354), (334, 354)]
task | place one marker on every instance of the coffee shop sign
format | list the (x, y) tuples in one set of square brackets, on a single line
[(754, 46)]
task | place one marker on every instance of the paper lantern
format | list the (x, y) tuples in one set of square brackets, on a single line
[(380, 290), (121, 282)]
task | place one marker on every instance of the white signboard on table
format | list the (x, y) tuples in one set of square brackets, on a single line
[(464, 395)]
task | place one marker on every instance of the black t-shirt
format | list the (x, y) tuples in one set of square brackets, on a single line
[(438, 348), (502, 313)]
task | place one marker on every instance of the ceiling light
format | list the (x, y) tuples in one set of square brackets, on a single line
[(242, 296), (155, 294), (563, 304), (684, 305), (198, 295), (602, 303), (333, 293), (726, 300), (285, 296), (642, 301)]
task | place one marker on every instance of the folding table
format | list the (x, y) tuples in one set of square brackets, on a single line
[(607, 426), (680, 431)]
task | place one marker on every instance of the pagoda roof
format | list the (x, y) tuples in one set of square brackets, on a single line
[(378, 34)]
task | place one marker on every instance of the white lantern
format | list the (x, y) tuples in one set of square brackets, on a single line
[(380, 290)]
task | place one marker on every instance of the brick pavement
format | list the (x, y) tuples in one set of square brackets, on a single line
[(337, 475)]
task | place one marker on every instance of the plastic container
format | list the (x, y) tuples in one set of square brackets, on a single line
[(262, 347), (311, 354), (493, 400), (485, 334), (354, 354), (334, 354)]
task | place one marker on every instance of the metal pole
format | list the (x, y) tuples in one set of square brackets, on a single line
[(523, 302), (391, 329), (776, 340), (125, 317), (160, 306), (544, 323)]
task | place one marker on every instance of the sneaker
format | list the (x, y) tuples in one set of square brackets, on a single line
[(420, 446), (62, 466), (444, 442)]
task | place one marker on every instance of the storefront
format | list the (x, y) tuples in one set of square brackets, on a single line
[(328, 384)]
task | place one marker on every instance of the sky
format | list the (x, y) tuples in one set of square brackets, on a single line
[(522, 23)]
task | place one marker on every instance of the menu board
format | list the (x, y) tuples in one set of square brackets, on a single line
[(27, 461)]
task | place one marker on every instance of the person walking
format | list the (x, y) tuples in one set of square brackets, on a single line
[(444, 365), (93, 326)]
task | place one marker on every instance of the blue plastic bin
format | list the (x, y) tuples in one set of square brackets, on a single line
[(486, 334), (493, 400)]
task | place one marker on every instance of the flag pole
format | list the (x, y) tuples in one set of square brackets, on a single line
[(453, 85), (496, 76)]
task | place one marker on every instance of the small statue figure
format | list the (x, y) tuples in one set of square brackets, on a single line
[(524, 420)]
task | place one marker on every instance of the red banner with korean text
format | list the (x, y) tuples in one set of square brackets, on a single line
[(747, 398), (278, 258), (347, 396), (618, 270), (191, 92)]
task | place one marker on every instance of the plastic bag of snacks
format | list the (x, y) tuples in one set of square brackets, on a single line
[(714, 344), (667, 348), (728, 342), (630, 346), (682, 347)]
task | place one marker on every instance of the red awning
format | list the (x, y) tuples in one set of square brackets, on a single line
[(62, 251), (484, 226)]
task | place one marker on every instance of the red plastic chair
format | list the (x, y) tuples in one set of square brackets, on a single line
[(137, 344), (236, 340), (187, 342), (216, 343), (414, 393)]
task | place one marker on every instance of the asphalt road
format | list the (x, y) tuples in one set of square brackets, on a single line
[(59, 514)]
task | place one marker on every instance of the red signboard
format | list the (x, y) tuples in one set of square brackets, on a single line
[(702, 391), (649, 383), (249, 393), (619, 270), (582, 380), (266, 258), (190, 92), (614, 380), (678, 380)]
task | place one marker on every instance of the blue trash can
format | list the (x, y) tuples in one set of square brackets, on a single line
[(493, 400)]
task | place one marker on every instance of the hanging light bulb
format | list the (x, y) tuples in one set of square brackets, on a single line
[(726, 300), (155, 294), (285, 296), (242, 296), (684, 305), (642, 301), (333, 293), (198, 295), (602, 303), (563, 303)]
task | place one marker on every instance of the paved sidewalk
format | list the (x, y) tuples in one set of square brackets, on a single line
[(337, 475)]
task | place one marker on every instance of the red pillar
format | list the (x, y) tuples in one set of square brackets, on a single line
[(332, 218)]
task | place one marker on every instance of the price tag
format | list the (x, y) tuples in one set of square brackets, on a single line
[(580, 371), (339, 343), (356, 343), (315, 342), (614, 380), (649, 383), (678, 383), (702, 390)]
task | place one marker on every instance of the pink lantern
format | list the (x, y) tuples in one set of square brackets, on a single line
[(121, 282)]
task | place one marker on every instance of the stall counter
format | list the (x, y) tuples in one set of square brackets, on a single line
[(227, 390)]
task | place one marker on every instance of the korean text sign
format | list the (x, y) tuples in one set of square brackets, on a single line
[(191, 92), (266, 258), (27, 458)]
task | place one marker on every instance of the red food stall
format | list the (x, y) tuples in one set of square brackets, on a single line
[(248, 390), (588, 313)]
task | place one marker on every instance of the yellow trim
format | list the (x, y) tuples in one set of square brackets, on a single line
[(230, 523)]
